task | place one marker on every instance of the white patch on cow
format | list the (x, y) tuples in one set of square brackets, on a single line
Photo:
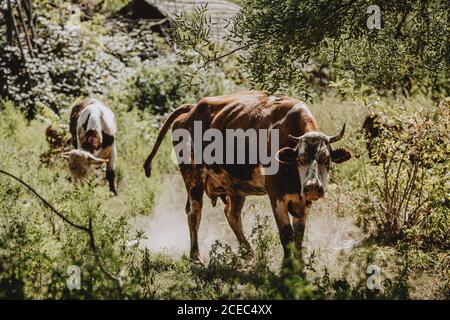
[(301, 148), (272, 99), (314, 172), (323, 176), (294, 109), (322, 170), (302, 170), (305, 109), (248, 101), (95, 116), (98, 117)]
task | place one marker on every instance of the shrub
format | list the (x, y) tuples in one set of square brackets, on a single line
[(411, 183), (165, 83), (157, 86), (72, 62)]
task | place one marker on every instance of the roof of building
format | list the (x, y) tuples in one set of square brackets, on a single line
[(219, 10)]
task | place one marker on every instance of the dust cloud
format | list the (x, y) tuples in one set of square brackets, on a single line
[(167, 227), (167, 230)]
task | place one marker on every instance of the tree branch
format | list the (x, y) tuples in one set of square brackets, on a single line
[(208, 61), (73, 224), (89, 230)]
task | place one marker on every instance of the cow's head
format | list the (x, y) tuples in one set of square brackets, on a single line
[(81, 163), (313, 155)]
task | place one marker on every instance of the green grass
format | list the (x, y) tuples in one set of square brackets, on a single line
[(36, 247)]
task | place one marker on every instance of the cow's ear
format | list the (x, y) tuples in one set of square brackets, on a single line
[(340, 155), (287, 155)]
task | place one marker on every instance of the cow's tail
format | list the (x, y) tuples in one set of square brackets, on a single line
[(167, 124)]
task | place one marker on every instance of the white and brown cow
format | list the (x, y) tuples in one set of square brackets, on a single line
[(93, 129), (304, 154)]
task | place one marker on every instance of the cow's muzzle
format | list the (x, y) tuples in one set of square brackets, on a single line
[(313, 192)]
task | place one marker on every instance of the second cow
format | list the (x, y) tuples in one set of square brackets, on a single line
[(93, 129)]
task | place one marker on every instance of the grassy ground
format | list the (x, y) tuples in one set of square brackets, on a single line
[(142, 234)]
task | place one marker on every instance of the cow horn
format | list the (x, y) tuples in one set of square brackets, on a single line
[(338, 136), (295, 138), (66, 155), (96, 159)]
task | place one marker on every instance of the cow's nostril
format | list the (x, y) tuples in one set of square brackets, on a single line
[(320, 190), (306, 189)]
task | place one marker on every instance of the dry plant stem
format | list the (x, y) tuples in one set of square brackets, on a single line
[(409, 192)]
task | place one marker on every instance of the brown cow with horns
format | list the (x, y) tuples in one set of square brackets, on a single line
[(304, 156)]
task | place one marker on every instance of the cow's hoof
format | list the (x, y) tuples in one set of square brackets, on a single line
[(247, 254), (198, 260)]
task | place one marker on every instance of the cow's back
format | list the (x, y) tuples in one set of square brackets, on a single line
[(248, 110), (259, 110), (83, 105), (75, 115)]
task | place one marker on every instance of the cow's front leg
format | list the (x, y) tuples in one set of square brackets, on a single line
[(110, 171), (280, 211), (299, 230), (299, 225), (299, 213)]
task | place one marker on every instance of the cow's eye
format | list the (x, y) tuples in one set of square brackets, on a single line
[(324, 161)]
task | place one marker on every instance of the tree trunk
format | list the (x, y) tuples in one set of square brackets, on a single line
[(28, 6), (16, 30), (9, 27), (25, 29)]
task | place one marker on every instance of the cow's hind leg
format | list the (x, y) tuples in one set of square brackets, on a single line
[(110, 171), (233, 210), (195, 187), (194, 217)]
